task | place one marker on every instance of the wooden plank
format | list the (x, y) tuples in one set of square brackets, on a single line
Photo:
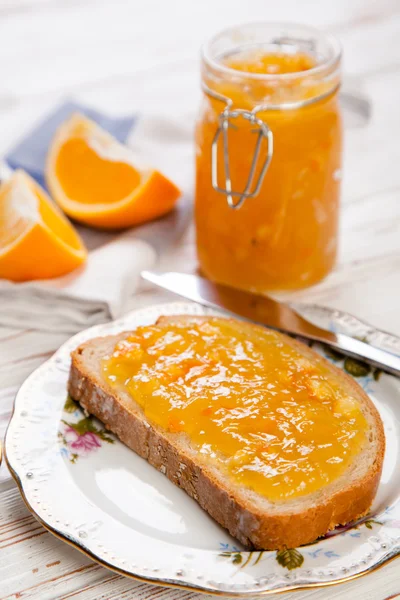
[(31, 345), (52, 562), (22, 354)]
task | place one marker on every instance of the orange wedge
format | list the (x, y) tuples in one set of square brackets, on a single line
[(97, 181), (36, 239)]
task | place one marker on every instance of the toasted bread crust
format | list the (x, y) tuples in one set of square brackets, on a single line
[(255, 528)]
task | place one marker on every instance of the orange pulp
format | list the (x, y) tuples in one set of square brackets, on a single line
[(275, 421), (98, 180), (36, 240), (286, 236)]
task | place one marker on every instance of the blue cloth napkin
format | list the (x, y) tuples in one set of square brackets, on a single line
[(30, 153)]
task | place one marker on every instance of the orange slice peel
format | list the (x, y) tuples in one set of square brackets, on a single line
[(36, 240), (97, 181)]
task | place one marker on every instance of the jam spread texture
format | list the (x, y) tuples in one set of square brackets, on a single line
[(252, 404)]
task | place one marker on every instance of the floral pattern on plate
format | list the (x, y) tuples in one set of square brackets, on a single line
[(80, 435)]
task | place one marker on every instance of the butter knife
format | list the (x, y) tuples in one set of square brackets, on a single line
[(266, 311)]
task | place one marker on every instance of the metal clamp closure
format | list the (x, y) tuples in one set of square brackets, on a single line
[(234, 198)]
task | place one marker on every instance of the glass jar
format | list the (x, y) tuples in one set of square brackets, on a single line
[(268, 157)]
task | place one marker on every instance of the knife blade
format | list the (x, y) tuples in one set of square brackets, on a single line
[(266, 311)]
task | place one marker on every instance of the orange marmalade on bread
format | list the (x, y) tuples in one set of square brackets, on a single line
[(285, 236), (250, 402)]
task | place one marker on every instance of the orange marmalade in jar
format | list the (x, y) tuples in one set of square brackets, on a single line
[(268, 157)]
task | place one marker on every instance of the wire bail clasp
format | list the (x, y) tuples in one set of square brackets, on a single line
[(234, 198)]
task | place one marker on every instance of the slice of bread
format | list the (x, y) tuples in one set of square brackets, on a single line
[(250, 517)]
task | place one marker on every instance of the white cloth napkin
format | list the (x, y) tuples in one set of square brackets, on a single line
[(99, 291), (93, 294)]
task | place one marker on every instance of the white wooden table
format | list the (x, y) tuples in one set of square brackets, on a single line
[(125, 56)]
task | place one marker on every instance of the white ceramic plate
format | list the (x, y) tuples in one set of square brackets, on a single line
[(96, 494)]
